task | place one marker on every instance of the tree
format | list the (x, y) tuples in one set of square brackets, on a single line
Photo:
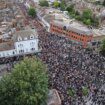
[(87, 17), (26, 85), (56, 4), (104, 3), (70, 8), (85, 91), (87, 14), (32, 11), (95, 21), (62, 5), (98, 2), (71, 92), (78, 17), (87, 21), (77, 13), (72, 13), (43, 3)]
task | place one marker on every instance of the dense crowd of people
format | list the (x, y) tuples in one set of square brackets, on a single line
[(71, 66)]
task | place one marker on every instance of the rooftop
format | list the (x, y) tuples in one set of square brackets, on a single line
[(25, 34), (6, 46), (99, 32), (73, 26)]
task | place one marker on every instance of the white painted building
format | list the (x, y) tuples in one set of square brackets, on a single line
[(23, 42)]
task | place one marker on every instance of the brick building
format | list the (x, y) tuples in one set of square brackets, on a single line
[(72, 30)]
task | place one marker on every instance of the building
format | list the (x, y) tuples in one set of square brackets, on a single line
[(16, 38), (99, 35), (72, 30), (10, 17), (46, 15), (55, 21), (58, 22), (22, 42), (93, 1)]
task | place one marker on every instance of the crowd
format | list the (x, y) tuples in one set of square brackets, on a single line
[(71, 66), (6, 64)]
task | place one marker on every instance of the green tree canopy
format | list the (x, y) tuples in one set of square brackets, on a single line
[(71, 92), (87, 21), (32, 11), (86, 17), (26, 85), (85, 91), (70, 8), (95, 21), (104, 3), (87, 14), (77, 13), (97, 2), (43, 3), (56, 4), (62, 5)]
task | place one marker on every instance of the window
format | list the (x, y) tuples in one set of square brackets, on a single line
[(32, 49), (20, 45), (75, 37), (21, 51), (13, 52), (79, 34)]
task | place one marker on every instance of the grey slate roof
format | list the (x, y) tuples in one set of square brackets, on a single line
[(24, 34)]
